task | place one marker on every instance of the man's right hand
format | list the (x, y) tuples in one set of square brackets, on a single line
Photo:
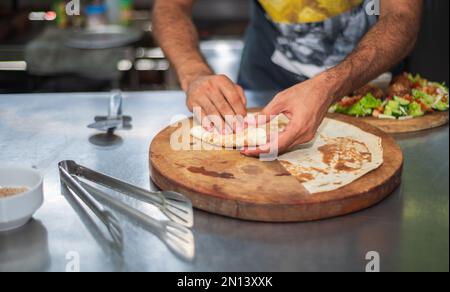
[(217, 96)]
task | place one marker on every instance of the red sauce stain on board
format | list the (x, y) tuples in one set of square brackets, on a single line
[(283, 174), (218, 190), (203, 171), (154, 155)]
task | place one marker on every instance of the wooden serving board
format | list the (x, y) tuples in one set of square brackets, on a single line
[(225, 182), (426, 122)]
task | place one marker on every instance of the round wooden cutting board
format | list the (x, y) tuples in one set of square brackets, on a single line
[(426, 122), (225, 182)]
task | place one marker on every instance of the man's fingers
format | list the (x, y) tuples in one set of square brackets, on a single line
[(281, 143), (286, 138), (242, 95), (255, 152), (233, 96), (199, 113), (221, 104), (303, 139), (213, 114), (218, 96), (202, 118), (241, 120), (272, 110), (292, 133), (223, 108)]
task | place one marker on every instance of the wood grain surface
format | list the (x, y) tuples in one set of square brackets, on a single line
[(225, 182)]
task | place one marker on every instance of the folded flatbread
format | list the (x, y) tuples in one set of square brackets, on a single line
[(341, 154), (250, 137)]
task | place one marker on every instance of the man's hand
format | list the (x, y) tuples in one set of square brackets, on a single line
[(386, 44), (305, 105), (216, 95)]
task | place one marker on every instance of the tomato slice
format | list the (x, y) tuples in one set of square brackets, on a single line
[(408, 97), (424, 106), (349, 101)]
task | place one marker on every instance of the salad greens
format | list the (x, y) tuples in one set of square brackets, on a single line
[(415, 110), (393, 108), (364, 107), (441, 87), (417, 79), (424, 96)]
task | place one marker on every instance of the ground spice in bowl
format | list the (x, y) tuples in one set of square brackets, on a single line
[(8, 192)]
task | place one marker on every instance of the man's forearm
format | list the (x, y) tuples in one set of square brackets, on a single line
[(384, 46), (177, 36)]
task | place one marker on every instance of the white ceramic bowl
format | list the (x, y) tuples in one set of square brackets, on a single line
[(17, 210)]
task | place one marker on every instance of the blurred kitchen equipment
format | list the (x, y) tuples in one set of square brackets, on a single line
[(174, 205), (62, 19), (115, 120), (177, 237), (111, 222), (96, 15), (113, 11), (48, 56), (126, 8), (102, 37)]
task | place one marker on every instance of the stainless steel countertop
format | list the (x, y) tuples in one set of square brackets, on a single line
[(410, 229)]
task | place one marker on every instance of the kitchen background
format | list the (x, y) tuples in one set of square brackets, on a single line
[(43, 50)]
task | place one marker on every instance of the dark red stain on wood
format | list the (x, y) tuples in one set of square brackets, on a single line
[(283, 174), (203, 171)]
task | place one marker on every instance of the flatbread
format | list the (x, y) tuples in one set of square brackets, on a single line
[(341, 154), (250, 137)]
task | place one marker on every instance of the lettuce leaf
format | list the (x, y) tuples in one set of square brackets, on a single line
[(424, 97), (337, 108), (392, 108), (370, 102), (401, 100), (417, 79), (415, 110), (442, 86), (441, 106), (359, 110), (364, 107)]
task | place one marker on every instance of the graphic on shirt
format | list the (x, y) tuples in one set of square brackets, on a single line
[(306, 11), (315, 35)]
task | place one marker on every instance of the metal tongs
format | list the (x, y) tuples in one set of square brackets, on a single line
[(175, 206)]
